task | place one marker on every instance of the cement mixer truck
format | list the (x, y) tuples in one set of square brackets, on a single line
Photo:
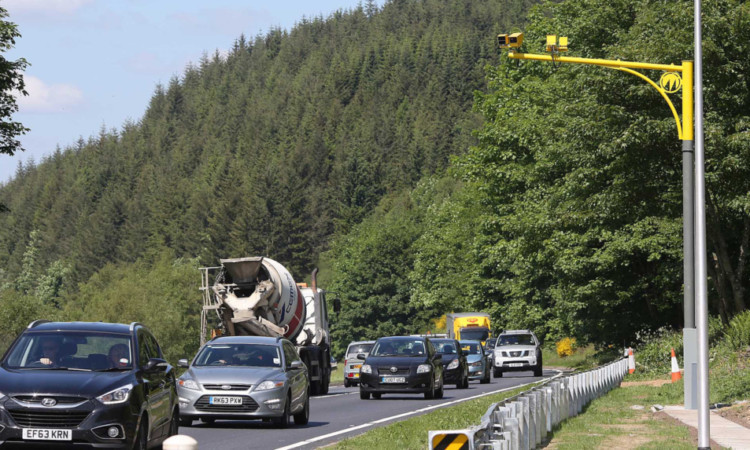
[(257, 296)]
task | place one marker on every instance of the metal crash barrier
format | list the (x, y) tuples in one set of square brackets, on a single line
[(523, 421)]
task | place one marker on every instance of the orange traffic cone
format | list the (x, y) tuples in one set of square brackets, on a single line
[(631, 361), (676, 375)]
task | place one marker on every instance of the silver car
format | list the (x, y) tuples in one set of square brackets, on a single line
[(245, 377), (476, 358), (352, 364)]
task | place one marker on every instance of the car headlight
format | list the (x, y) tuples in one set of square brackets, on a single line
[(453, 364), (365, 368), (424, 368), (189, 384), (476, 364), (269, 384), (119, 395)]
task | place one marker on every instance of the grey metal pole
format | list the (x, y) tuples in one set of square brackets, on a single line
[(688, 237), (701, 291), (689, 337)]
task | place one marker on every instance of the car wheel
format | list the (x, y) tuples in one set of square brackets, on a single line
[(347, 383), (497, 373), (431, 393), (364, 395), (283, 420), (302, 417), (376, 395), (538, 372), (486, 378), (141, 439), (466, 381)]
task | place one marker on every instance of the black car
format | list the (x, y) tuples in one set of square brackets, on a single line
[(455, 367), (81, 384), (407, 365)]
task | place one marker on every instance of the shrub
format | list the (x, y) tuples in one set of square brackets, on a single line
[(566, 347), (737, 334), (653, 356)]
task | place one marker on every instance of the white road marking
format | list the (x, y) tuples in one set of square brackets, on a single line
[(333, 395), (410, 413)]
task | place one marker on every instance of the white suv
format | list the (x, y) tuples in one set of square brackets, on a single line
[(517, 350)]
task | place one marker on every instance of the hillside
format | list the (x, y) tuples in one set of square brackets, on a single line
[(287, 139)]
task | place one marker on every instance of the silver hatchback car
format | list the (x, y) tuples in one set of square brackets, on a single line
[(245, 377)]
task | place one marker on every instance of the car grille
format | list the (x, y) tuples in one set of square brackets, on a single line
[(48, 419), (248, 405), (61, 399), (387, 371), (233, 387), (516, 354)]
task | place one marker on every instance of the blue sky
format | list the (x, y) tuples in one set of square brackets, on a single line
[(96, 63)]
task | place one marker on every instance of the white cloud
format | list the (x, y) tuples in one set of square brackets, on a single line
[(43, 6), (52, 98)]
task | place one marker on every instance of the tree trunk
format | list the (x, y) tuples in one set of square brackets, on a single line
[(722, 258)]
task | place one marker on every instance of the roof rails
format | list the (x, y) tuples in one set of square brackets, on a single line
[(37, 322)]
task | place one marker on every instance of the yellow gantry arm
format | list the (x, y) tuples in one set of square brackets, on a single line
[(684, 128)]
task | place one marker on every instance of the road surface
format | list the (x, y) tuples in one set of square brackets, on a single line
[(339, 415)]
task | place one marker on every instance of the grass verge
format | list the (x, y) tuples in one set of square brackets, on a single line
[(337, 375), (612, 422), (412, 433)]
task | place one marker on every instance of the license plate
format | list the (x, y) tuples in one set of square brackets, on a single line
[(393, 379), (356, 375), (515, 364), (225, 401), (47, 434)]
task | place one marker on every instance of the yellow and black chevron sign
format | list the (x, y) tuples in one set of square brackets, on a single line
[(450, 441)]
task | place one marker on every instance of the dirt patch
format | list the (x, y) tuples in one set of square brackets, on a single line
[(655, 383), (693, 431), (739, 414)]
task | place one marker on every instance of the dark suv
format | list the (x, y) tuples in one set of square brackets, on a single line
[(101, 385)]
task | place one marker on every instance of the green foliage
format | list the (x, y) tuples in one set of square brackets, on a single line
[(737, 334), (162, 294), (578, 175), (17, 311), (11, 80), (288, 138), (370, 269)]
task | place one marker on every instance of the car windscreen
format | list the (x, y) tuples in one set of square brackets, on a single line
[(248, 355), (475, 334), (447, 347), (71, 350), (354, 350), (398, 347), (515, 339), (471, 348)]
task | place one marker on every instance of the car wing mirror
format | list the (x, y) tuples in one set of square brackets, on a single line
[(183, 363), (296, 365), (361, 356), (155, 365)]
